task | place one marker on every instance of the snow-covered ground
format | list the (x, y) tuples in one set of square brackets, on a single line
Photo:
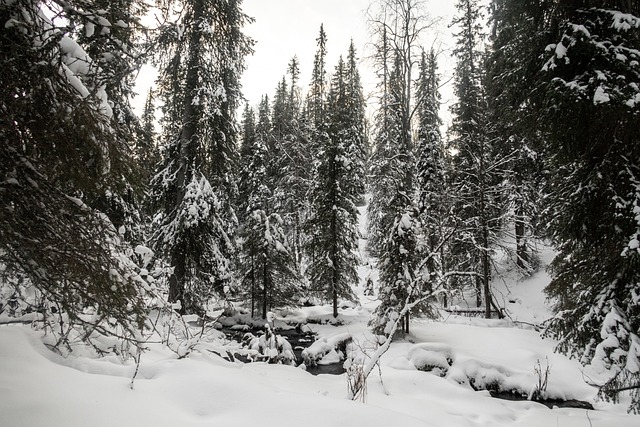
[(40, 388)]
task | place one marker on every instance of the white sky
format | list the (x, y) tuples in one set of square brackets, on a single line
[(284, 28)]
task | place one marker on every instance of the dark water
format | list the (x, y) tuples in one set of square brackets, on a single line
[(549, 403), (299, 340)]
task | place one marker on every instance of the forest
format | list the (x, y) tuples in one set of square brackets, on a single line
[(205, 206)]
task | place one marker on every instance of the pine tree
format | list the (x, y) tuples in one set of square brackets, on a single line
[(203, 54)]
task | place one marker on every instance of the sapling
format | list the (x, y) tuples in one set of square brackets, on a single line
[(540, 390)]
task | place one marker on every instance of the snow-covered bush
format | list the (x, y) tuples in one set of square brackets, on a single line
[(269, 347)]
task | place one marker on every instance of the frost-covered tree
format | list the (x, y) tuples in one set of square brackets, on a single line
[(62, 148), (292, 157), (267, 268), (512, 59), (433, 199), (398, 25), (318, 86), (385, 168), (333, 221), (111, 32), (201, 56), (588, 98), (477, 169), (146, 149)]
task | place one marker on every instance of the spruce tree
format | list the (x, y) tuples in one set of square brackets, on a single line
[(571, 75), (267, 269), (201, 57), (399, 24), (333, 221), (432, 194), (477, 170), (318, 86), (512, 61), (293, 159), (63, 147), (588, 99)]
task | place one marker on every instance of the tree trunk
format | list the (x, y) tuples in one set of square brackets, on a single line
[(334, 261), (188, 153), (486, 273), (253, 286), (406, 323), (522, 257), (176, 285), (265, 288)]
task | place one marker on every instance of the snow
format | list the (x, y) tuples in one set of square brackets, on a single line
[(560, 50), (600, 96), (437, 376), (624, 21)]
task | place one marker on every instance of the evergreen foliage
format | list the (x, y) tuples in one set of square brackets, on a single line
[(333, 221), (478, 168), (516, 40), (267, 268), (202, 55), (433, 200), (63, 149), (398, 24), (589, 85), (570, 75)]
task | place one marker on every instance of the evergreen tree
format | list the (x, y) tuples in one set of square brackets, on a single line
[(399, 24), (570, 75), (587, 97), (267, 267), (202, 56), (516, 40), (111, 32), (146, 150), (317, 87), (293, 159), (384, 168), (357, 106), (388, 166), (477, 170), (334, 218), (62, 148), (432, 198)]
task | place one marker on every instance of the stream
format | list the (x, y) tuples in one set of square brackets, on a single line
[(298, 339), (549, 403)]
